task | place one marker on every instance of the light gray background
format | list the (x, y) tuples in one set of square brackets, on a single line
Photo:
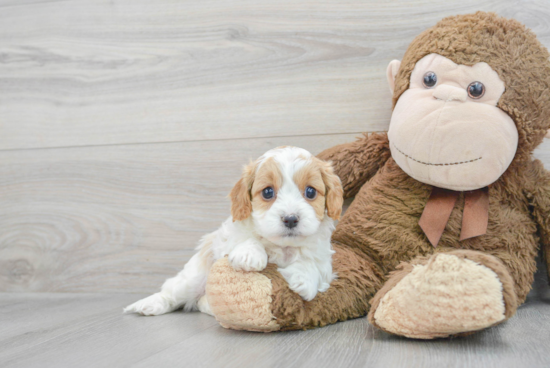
[(123, 126)]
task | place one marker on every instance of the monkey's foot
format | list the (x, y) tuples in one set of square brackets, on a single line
[(240, 300), (444, 295)]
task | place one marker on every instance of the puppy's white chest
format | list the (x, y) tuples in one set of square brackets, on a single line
[(282, 256)]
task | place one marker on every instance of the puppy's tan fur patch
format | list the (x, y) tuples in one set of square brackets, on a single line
[(246, 195), (334, 190), (320, 176), (268, 175), (310, 176), (241, 204)]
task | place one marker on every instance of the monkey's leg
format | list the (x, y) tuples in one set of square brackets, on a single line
[(446, 294), (262, 301)]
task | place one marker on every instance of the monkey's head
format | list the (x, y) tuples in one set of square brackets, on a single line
[(471, 96)]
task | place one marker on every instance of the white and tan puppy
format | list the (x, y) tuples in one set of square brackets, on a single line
[(282, 211)]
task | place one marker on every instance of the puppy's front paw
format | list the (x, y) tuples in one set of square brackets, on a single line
[(301, 283), (248, 259), (151, 306)]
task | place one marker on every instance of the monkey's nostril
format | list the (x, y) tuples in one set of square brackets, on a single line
[(290, 221)]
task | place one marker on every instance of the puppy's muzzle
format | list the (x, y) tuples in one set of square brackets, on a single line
[(290, 221)]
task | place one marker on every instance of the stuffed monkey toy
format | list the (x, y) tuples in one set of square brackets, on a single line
[(450, 207)]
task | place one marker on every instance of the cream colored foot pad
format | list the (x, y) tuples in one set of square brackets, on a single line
[(449, 295)]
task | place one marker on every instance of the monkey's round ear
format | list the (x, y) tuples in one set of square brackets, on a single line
[(547, 135), (391, 72)]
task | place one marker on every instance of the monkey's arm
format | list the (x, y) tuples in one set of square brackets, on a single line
[(356, 162), (540, 202)]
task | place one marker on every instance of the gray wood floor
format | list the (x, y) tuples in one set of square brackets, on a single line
[(88, 330)]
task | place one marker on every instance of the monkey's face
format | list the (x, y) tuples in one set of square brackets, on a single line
[(446, 129)]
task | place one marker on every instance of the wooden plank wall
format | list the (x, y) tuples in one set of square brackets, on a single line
[(124, 124)]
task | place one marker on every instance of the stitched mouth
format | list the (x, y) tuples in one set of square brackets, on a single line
[(437, 164)]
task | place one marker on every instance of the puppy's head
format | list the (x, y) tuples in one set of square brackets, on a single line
[(288, 193)]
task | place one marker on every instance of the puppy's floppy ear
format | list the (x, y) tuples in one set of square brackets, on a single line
[(334, 196), (241, 201)]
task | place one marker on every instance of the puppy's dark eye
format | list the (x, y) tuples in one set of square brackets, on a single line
[(476, 90), (268, 193), (311, 193), (430, 80)]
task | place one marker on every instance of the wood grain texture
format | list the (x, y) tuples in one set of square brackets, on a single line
[(155, 106), (4, 3), (123, 124), (84, 72), (117, 218), (82, 330)]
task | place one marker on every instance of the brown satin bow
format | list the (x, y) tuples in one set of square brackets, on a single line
[(440, 205)]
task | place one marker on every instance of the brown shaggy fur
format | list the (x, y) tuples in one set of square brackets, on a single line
[(379, 233), (511, 49)]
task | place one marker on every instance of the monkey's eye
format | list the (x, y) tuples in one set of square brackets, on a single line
[(430, 79), (311, 193), (268, 193), (476, 90)]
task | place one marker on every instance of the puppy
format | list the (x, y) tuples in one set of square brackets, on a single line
[(282, 211)]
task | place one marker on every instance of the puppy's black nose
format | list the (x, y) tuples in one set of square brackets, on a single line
[(290, 221)]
